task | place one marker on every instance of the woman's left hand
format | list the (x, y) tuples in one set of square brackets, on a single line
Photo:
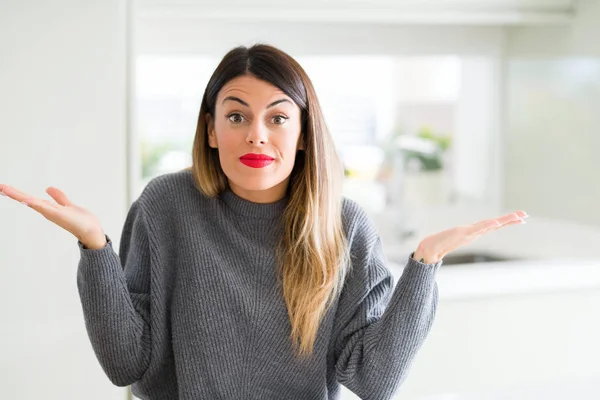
[(434, 247)]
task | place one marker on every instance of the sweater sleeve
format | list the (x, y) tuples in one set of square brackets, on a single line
[(115, 297), (382, 328)]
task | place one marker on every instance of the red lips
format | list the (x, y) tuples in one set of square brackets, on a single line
[(256, 160)]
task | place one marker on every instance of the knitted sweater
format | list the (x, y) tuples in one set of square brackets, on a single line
[(190, 308)]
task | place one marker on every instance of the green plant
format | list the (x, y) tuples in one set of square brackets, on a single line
[(443, 141), (430, 162)]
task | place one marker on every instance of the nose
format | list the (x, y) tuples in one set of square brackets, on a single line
[(257, 134)]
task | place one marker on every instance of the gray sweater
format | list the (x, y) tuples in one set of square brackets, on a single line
[(190, 308)]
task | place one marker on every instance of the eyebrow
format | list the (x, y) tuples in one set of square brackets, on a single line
[(242, 102)]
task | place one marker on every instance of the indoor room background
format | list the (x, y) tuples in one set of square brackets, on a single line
[(443, 113)]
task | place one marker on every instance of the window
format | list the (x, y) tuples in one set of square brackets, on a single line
[(368, 103)]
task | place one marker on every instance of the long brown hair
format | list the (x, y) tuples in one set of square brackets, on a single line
[(313, 252)]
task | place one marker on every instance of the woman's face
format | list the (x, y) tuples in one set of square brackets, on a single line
[(253, 116)]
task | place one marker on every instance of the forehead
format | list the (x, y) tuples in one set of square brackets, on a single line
[(250, 89)]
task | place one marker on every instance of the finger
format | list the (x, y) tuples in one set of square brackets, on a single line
[(508, 218), (498, 222), (517, 222), (58, 195), (520, 213), (44, 207), (15, 194)]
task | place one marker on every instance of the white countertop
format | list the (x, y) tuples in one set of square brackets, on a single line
[(552, 254), (513, 277)]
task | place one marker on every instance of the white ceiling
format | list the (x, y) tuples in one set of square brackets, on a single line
[(430, 4), (469, 12)]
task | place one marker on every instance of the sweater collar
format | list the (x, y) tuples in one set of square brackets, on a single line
[(252, 209)]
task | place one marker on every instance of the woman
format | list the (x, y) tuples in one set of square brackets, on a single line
[(248, 275)]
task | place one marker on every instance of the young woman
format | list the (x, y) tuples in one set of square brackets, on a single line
[(249, 275)]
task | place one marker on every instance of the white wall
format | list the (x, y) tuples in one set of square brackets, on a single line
[(552, 133), (518, 347), (156, 35), (580, 38), (477, 153), (62, 123)]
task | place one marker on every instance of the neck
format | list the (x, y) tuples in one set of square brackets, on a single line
[(264, 196)]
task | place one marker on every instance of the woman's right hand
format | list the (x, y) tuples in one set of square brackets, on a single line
[(84, 225)]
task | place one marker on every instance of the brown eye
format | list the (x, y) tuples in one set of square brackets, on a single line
[(236, 118), (279, 119)]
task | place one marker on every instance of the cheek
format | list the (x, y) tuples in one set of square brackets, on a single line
[(229, 141), (287, 138), (226, 137), (291, 141), (291, 145)]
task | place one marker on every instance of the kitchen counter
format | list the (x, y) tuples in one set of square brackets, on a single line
[(550, 254)]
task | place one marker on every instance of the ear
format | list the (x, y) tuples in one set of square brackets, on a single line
[(300, 144), (210, 129)]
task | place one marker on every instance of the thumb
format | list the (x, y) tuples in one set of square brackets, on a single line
[(59, 196)]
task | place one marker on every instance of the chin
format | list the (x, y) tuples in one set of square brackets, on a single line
[(255, 184)]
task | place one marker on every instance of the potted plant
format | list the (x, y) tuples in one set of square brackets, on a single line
[(426, 181)]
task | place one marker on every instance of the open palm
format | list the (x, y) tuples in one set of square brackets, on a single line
[(434, 247), (71, 217)]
